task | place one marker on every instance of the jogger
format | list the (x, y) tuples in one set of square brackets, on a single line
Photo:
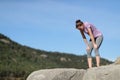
[(96, 39)]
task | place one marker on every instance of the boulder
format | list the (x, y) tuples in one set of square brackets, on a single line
[(117, 61), (57, 74), (109, 72)]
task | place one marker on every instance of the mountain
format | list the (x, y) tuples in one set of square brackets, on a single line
[(18, 61)]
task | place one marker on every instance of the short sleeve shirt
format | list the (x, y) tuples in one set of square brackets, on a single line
[(95, 31)]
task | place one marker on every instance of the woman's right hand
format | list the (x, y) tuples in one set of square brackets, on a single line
[(95, 46), (88, 48)]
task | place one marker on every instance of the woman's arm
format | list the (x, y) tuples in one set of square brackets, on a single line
[(84, 38), (92, 37)]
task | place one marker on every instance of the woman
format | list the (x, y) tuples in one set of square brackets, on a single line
[(95, 41)]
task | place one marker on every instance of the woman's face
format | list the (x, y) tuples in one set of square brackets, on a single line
[(80, 26)]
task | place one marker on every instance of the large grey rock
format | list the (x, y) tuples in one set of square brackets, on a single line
[(110, 72), (57, 74), (117, 61)]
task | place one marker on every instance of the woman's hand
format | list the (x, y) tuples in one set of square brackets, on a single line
[(88, 48), (95, 46)]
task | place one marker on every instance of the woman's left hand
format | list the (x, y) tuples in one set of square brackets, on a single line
[(95, 46)]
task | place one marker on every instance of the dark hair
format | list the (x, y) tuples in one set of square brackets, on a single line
[(78, 21)]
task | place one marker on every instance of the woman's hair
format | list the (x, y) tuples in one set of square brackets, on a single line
[(78, 21)]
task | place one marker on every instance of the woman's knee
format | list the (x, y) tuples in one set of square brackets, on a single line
[(89, 53), (89, 56), (96, 52)]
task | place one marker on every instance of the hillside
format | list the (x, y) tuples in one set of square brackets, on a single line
[(18, 61)]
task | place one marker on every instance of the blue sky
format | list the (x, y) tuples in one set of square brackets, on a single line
[(50, 24)]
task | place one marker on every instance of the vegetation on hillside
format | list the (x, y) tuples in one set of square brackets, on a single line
[(18, 61)]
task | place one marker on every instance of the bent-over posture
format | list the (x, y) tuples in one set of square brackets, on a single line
[(95, 41)]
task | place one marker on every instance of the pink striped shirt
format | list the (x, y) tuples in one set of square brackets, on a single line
[(95, 31)]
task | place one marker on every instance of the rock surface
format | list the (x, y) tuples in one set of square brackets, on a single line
[(117, 61), (57, 74), (109, 72)]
